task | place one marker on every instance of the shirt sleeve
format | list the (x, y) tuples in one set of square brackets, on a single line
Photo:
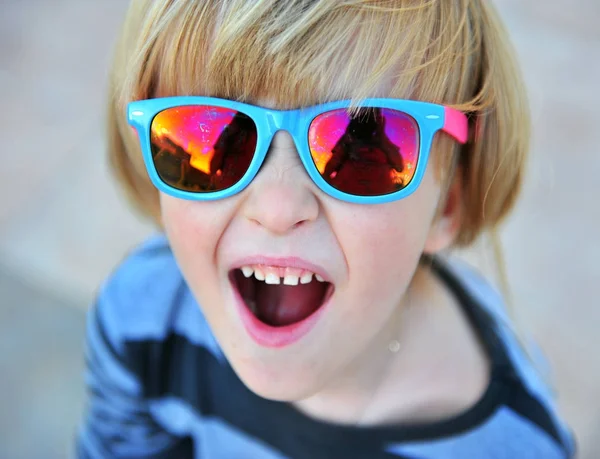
[(117, 422)]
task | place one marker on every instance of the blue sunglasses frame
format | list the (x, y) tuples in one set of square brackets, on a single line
[(430, 119)]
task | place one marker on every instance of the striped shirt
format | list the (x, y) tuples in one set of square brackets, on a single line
[(159, 385)]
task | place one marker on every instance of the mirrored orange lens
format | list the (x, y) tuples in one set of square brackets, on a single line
[(371, 152), (201, 148)]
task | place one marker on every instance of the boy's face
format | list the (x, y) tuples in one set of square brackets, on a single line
[(367, 253)]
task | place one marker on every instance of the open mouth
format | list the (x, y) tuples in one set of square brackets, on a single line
[(280, 296)]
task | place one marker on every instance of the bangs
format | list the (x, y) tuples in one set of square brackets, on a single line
[(298, 53)]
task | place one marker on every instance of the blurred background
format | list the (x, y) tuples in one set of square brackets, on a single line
[(64, 226)]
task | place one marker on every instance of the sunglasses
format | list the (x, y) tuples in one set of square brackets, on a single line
[(204, 148)]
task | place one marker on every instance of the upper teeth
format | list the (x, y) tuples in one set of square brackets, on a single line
[(272, 279), (274, 275), (247, 270)]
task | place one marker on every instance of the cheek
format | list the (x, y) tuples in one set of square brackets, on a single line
[(383, 244), (194, 230), (383, 249), (189, 235)]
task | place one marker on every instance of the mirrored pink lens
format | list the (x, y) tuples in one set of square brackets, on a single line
[(372, 152), (201, 148)]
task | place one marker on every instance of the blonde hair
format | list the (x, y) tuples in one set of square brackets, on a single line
[(298, 52)]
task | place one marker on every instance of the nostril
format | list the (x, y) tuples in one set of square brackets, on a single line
[(279, 218), (299, 224), (294, 226)]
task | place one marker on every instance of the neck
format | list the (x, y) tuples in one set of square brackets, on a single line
[(426, 352), (346, 400)]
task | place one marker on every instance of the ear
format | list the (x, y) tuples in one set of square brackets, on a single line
[(447, 222)]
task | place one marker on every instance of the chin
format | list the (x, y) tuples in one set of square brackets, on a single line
[(278, 382)]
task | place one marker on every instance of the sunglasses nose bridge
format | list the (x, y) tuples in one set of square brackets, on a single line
[(274, 120), (282, 120)]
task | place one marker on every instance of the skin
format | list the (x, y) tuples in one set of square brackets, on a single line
[(342, 370)]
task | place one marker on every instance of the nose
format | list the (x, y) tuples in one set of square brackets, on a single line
[(282, 196)]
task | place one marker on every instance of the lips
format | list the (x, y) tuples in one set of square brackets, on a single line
[(281, 300)]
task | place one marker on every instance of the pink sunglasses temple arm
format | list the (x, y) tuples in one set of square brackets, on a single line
[(456, 124)]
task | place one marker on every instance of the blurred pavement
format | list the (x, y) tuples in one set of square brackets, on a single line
[(63, 225)]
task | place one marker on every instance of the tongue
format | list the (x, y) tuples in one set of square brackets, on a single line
[(280, 305)]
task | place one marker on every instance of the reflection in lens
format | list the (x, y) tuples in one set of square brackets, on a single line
[(371, 152), (200, 148)]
